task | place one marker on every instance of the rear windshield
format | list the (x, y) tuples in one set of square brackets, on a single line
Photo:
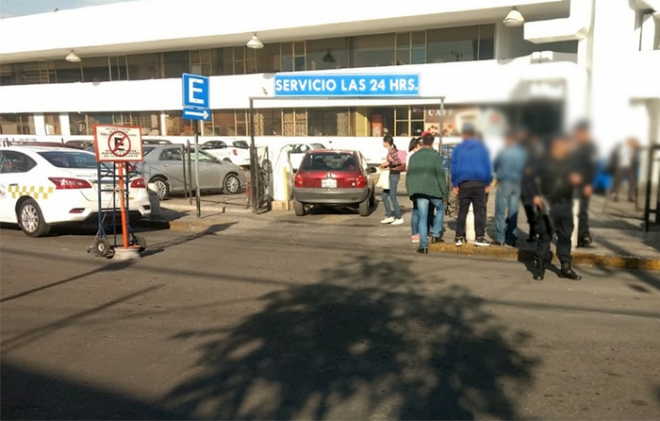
[(241, 144), (330, 161), (62, 159)]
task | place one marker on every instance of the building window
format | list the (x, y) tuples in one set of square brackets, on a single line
[(268, 59), (242, 119), (224, 123), (201, 62), (143, 66), (323, 54), (245, 61), (96, 69), (460, 44), (175, 125), (381, 121), (53, 126), (268, 122), (411, 48), (78, 124), (118, 68), (17, 124), (149, 122), (294, 122), (328, 122), (176, 63), (293, 56), (68, 72), (8, 74), (35, 73), (224, 61), (372, 50)]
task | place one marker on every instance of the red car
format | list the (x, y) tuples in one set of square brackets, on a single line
[(334, 178)]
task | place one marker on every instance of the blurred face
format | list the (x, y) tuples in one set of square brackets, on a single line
[(560, 148), (582, 135), (386, 145)]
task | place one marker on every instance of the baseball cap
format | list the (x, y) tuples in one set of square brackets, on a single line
[(424, 133)]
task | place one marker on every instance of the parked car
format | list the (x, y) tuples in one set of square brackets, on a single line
[(156, 142), (163, 165), (334, 178), (45, 186), (79, 144), (238, 152), (298, 150)]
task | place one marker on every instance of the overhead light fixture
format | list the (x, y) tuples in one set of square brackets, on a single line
[(255, 42), (514, 19), (72, 58), (329, 58)]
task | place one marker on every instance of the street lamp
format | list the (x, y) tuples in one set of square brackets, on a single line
[(255, 43), (514, 19), (72, 57)]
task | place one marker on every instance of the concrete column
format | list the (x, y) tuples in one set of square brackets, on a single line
[(65, 124), (163, 121), (39, 125)]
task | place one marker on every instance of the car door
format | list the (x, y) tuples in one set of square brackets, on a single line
[(170, 164), (211, 172), (14, 167)]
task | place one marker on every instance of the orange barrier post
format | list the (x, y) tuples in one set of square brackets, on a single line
[(122, 191)]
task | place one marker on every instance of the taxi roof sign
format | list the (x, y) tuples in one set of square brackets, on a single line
[(118, 143)]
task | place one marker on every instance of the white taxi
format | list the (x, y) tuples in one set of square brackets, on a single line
[(45, 186)]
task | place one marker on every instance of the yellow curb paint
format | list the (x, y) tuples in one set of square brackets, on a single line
[(626, 262)]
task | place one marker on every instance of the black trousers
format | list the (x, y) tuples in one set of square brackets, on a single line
[(583, 216), (531, 218), (630, 174), (476, 196), (562, 218)]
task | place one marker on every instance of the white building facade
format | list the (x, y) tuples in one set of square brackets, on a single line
[(571, 59)]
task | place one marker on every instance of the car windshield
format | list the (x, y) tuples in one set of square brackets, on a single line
[(318, 146), (62, 159), (329, 161), (241, 144), (146, 150), (203, 156)]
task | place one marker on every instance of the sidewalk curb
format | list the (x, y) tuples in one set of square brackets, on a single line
[(215, 210), (579, 258)]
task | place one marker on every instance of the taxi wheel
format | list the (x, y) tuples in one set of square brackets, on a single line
[(231, 184), (31, 219), (102, 246), (299, 208), (162, 186)]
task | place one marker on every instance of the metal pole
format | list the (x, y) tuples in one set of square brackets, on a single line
[(442, 126), (197, 196), (647, 200), (253, 161), (188, 156), (186, 180)]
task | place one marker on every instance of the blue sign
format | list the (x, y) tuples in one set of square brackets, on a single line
[(346, 85), (197, 114), (195, 91)]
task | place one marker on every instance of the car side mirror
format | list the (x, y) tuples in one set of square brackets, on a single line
[(372, 170)]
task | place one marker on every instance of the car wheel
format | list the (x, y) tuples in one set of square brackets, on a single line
[(299, 208), (162, 186), (364, 207), (31, 219), (227, 160), (232, 184)]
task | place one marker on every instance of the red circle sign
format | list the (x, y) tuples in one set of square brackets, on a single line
[(119, 144)]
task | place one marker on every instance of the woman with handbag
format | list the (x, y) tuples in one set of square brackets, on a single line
[(392, 169)]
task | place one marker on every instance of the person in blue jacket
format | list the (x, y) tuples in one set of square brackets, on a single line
[(471, 175)]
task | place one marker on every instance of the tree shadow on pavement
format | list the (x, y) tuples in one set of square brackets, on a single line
[(369, 340)]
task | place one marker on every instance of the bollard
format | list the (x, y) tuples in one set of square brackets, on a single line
[(470, 235), (154, 200)]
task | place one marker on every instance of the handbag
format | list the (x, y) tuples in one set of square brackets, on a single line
[(384, 180)]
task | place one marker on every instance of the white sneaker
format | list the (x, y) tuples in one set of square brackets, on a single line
[(388, 220), (398, 221)]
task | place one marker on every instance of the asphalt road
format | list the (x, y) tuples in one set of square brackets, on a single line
[(324, 317)]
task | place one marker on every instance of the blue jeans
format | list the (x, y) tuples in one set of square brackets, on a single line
[(423, 214), (414, 219), (507, 201), (390, 195)]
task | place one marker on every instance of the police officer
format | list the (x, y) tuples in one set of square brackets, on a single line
[(586, 155), (557, 180), (534, 150)]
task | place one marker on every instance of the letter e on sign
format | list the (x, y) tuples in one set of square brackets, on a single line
[(195, 91)]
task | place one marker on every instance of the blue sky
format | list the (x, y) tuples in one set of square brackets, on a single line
[(10, 8)]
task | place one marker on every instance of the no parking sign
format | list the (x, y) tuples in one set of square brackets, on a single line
[(118, 143)]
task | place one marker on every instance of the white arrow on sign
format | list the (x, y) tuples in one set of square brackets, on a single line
[(204, 114)]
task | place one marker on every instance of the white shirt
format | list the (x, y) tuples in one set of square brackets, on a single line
[(625, 156)]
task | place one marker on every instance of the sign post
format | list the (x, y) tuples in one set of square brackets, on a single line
[(196, 108), (119, 145)]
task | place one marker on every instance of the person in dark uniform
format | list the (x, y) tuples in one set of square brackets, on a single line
[(586, 155), (557, 179), (534, 151)]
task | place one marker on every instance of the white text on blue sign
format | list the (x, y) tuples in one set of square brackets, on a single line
[(195, 91), (346, 85)]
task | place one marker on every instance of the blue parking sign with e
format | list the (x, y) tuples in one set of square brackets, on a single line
[(195, 91)]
